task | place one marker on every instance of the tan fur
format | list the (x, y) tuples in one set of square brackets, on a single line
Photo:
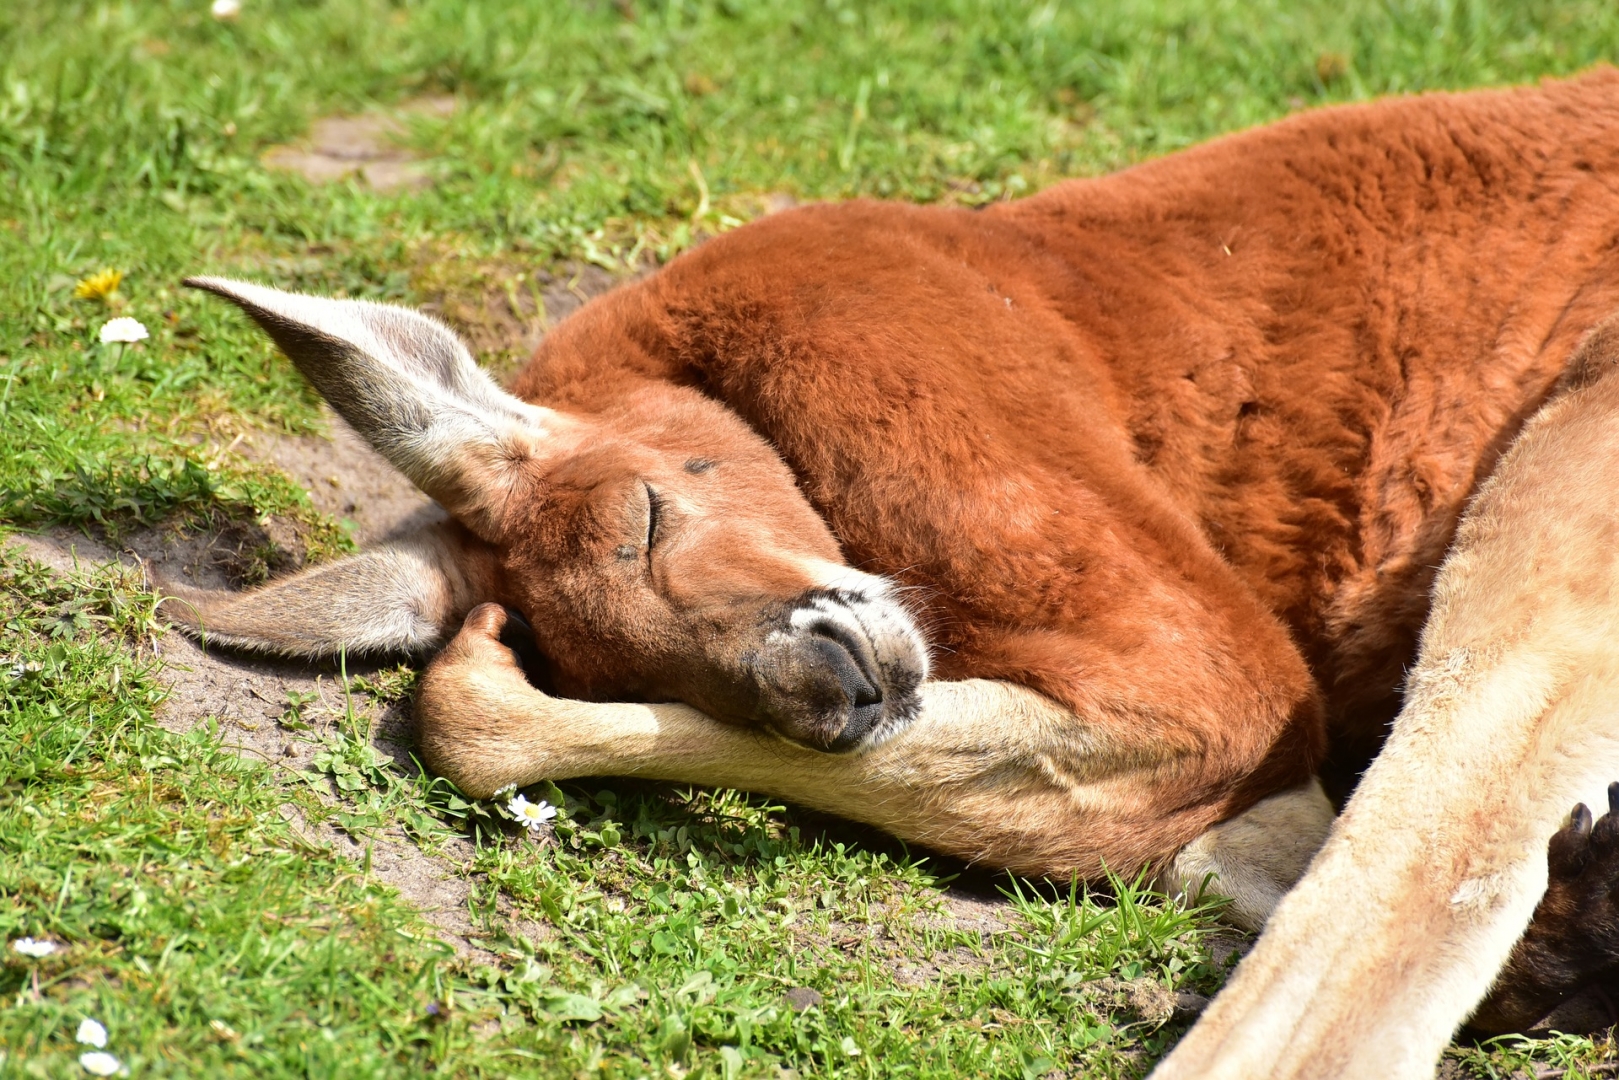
[(987, 771), (1436, 865), (1255, 857), (407, 596)]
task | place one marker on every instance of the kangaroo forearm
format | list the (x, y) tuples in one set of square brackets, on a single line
[(989, 771), (968, 777)]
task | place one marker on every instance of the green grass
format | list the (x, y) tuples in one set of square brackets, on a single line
[(203, 925), (214, 938)]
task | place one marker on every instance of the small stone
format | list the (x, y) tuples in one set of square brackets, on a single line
[(1189, 1005), (800, 998)]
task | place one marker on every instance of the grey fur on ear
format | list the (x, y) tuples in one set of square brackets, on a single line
[(404, 598), (408, 385)]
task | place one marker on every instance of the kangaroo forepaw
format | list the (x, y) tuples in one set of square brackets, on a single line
[(1573, 941)]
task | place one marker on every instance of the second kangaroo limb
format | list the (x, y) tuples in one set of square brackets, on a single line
[(1430, 876)]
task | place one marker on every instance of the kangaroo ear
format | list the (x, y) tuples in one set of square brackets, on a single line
[(403, 598), (408, 385)]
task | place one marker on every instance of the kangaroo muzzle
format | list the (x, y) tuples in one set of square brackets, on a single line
[(839, 669)]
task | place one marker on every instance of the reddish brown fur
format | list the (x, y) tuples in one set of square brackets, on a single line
[(1180, 447), (588, 502)]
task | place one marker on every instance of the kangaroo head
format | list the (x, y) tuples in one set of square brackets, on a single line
[(658, 547)]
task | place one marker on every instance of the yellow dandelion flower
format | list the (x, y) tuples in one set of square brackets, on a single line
[(100, 286)]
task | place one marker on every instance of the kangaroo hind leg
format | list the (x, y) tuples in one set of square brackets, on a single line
[(1434, 869)]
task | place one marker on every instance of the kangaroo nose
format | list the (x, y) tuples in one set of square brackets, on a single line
[(836, 671), (843, 658), (849, 663)]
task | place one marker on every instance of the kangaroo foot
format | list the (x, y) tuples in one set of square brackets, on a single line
[(1573, 942)]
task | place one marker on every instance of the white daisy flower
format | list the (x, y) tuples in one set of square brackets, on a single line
[(226, 10), (91, 1033), (17, 669), (98, 1063), (123, 329), (530, 815), (29, 947)]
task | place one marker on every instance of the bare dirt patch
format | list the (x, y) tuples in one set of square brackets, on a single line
[(348, 480), (369, 148), (246, 697), (969, 912)]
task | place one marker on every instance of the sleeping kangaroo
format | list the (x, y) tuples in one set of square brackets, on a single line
[(1079, 530)]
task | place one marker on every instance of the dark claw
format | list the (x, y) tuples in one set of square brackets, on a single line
[(1570, 846), (1605, 834), (1573, 942)]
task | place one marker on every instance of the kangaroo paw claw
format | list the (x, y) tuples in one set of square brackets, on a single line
[(1573, 942)]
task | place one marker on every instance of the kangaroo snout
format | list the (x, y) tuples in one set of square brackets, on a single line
[(839, 670)]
